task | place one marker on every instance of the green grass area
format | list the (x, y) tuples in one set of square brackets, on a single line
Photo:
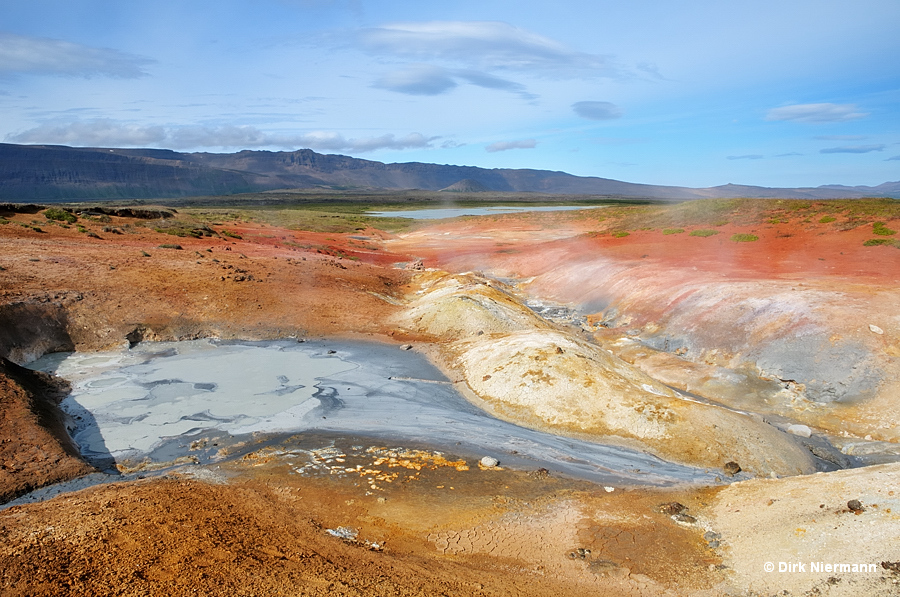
[(60, 215), (704, 232), (620, 234), (876, 242), (827, 219), (673, 230), (881, 230), (744, 238)]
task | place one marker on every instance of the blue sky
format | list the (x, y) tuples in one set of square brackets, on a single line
[(693, 93)]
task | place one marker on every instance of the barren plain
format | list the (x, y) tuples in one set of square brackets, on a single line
[(756, 341)]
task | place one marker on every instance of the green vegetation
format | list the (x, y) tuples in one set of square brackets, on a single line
[(145, 254), (228, 234), (875, 242), (620, 234), (60, 215), (827, 219), (744, 238), (881, 230), (673, 230), (704, 232), (170, 246)]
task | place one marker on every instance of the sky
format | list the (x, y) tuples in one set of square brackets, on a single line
[(695, 93)]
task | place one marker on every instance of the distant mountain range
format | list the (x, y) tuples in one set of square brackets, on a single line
[(59, 173)]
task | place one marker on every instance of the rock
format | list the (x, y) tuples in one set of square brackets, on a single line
[(540, 474), (684, 519), (406, 347), (670, 508), (875, 329), (855, 506), (488, 462), (345, 533), (418, 265), (801, 430), (732, 468)]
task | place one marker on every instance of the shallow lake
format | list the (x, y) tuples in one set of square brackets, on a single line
[(453, 212), (152, 402)]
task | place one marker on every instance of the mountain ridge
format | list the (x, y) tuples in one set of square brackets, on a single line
[(62, 173)]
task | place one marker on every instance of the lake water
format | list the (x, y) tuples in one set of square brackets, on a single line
[(152, 402), (453, 212)]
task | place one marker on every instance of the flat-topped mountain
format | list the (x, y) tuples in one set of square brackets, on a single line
[(60, 173)]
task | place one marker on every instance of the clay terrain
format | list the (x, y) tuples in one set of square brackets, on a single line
[(753, 342)]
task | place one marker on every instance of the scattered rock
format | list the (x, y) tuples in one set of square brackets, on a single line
[(418, 265), (540, 474), (875, 329), (731, 468), (332, 352), (580, 554), (801, 430), (406, 347), (345, 533), (489, 462), (609, 489), (855, 506), (670, 508), (684, 519)]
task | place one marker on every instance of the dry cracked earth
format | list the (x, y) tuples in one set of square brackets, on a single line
[(780, 355)]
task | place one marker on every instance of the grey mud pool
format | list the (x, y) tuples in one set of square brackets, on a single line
[(199, 401)]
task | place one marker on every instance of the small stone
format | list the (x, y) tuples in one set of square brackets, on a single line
[(489, 462), (731, 468), (539, 474), (800, 430), (684, 518), (670, 508), (875, 329), (406, 347), (609, 489), (855, 506)]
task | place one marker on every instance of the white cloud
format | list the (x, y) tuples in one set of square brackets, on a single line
[(896, 157), (427, 79), (853, 149), (107, 133), (507, 145), (482, 45), (38, 55), (417, 79), (816, 113), (752, 156), (91, 133), (597, 110)]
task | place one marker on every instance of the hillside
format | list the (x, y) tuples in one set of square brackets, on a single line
[(59, 173)]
